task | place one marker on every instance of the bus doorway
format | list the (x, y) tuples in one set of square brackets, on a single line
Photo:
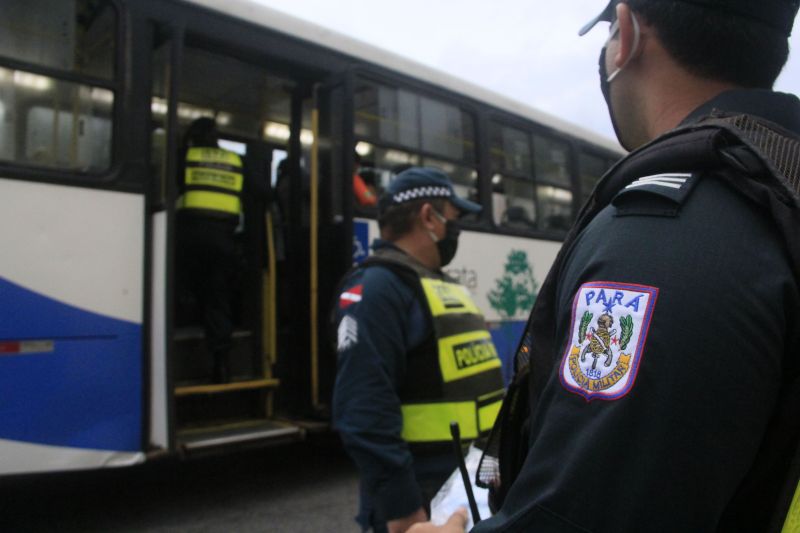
[(263, 120)]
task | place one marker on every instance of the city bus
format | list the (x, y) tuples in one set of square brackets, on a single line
[(98, 368)]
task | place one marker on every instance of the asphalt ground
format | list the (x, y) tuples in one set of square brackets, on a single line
[(305, 487)]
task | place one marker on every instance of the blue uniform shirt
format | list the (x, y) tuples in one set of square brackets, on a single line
[(379, 320)]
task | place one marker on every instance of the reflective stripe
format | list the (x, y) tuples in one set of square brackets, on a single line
[(488, 414), (447, 298), (792, 523), (214, 177), (465, 355), (213, 155), (430, 422), (215, 201)]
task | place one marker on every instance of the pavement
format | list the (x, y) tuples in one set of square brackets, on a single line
[(300, 488)]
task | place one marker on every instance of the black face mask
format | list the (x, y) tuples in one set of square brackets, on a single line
[(605, 88), (448, 244)]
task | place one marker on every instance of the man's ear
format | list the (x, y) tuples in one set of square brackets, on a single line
[(629, 37), (426, 216)]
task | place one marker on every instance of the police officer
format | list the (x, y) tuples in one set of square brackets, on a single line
[(209, 212), (414, 354), (659, 370)]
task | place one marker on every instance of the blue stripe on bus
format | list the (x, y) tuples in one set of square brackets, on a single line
[(506, 336), (86, 392)]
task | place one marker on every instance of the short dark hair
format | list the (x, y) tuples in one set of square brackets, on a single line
[(398, 220), (715, 44)]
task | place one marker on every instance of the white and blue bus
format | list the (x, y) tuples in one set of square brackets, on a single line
[(97, 367)]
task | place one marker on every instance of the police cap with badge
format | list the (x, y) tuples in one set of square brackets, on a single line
[(777, 14)]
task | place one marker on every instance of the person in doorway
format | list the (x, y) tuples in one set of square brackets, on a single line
[(363, 185), (209, 212), (414, 354), (657, 386)]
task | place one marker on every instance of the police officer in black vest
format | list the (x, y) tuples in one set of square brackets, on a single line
[(209, 212), (657, 386), (414, 354)]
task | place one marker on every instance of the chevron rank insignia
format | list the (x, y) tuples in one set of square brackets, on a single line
[(609, 329), (347, 333)]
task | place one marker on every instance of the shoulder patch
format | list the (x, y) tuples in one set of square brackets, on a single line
[(351, 296), (609, 327), (347, 334), (659, 194)]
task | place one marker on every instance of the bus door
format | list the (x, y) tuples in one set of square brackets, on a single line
[(332, 162), (255, 116)]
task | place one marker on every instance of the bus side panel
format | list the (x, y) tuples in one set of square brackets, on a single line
[(70, 326), (502, 273)]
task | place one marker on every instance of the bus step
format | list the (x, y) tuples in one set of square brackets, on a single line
[(262, 432), (221, 388)]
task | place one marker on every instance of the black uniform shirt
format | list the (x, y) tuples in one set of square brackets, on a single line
[(690, 282)]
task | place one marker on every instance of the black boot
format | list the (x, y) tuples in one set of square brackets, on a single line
[(221, 368)]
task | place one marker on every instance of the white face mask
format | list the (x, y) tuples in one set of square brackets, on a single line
[(636, 38)]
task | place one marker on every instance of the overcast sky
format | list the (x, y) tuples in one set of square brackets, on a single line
[(526, 49)]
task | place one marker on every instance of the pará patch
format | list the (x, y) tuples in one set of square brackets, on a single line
[(608, 332)]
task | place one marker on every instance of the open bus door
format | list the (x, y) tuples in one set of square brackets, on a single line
[(189, 412), (330, 246)]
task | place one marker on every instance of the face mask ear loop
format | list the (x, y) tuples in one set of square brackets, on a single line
[(636, 40)]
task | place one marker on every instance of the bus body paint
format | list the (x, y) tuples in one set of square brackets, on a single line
[(71, 313), (85, 391)]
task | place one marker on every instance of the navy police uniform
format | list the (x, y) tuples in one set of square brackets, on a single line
[(414, 355), (390, 323), (665, 340)]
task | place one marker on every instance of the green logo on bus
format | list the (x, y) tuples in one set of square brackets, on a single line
[(516, 290)]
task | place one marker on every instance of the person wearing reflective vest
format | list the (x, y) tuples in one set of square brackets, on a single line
[(209, 211), (414, 354), (657, 386)]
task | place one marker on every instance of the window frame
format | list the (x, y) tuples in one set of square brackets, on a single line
[(531, 129), (60, 175), (421, 89)]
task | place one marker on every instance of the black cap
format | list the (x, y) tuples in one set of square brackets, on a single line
[(417, 183), (778, 14)]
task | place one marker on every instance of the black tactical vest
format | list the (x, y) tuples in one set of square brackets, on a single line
[(455, 376), (761, 161)]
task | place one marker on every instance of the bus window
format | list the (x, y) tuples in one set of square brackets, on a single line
[(513, 187), (396, 128), (592, 169), (554, 193), (85, 42), (447, 131), (379, 165), (555, 205), (54, 123), (550, 161)]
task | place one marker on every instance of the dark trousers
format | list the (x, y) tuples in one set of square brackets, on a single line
[(207, 266)]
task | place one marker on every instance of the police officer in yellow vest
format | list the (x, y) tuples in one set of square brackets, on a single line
[(209, 211), (414, 354)]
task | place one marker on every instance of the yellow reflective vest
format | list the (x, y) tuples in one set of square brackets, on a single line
[(456, 376), (212, 181)]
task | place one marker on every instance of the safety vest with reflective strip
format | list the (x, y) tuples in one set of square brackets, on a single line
[(213, 181), (455, 377)]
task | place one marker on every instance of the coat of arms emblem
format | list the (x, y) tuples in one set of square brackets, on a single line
[(609, 328)]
